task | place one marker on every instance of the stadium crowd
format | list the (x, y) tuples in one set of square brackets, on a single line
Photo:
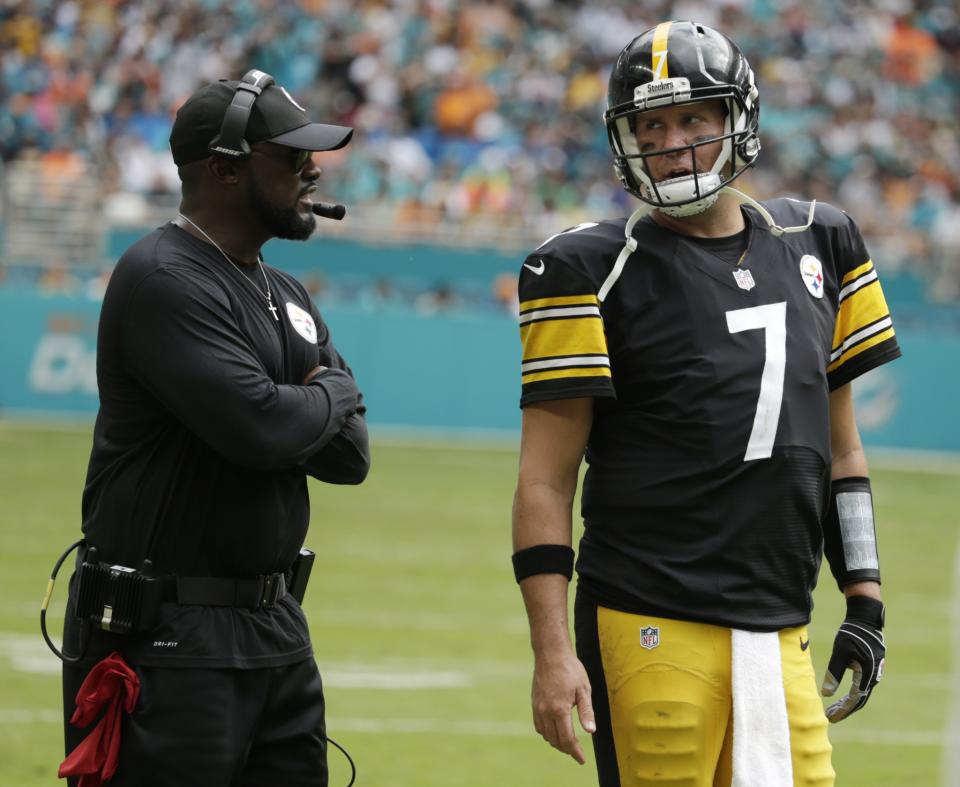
[(487, 115)]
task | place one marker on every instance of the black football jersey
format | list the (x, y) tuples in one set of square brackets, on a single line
[(709, 456)]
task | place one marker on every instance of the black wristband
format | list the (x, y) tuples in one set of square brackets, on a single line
[(849, 532), (866, 609), (543, 559)]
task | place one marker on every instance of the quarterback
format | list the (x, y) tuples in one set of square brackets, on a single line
[(699, 355)]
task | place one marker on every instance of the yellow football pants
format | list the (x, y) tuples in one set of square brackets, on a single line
[(671, 708)]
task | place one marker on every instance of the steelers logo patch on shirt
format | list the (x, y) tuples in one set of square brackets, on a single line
[(812, 272), (302, 322)]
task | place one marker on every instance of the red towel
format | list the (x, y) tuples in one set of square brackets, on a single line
[(112, 683)]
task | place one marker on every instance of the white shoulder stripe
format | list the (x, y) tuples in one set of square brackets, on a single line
[(567, 360), (575, 311), (853, 286), (853, 338)]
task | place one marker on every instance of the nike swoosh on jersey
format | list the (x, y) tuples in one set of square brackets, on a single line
[(804, 645), (539, 271)]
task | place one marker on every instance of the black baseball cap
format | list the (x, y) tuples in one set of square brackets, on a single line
[(275, 117)]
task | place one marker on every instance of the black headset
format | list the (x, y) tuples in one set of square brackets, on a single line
[(230, 142)]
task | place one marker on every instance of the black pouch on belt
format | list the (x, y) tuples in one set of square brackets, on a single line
[(300, 574)]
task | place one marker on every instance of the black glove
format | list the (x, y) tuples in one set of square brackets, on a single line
[(859, 646)]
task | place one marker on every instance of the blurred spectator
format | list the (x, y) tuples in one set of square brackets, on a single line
[(505, 293), (913, 57), (315, 284), (441, 298), (96, 286), (456, 105), (56, 278), (463, 100)]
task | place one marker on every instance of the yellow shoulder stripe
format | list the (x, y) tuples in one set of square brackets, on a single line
[(555, 338), (858, 271), (865, 306)]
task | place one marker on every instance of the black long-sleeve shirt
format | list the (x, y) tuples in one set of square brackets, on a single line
[(205, 436)]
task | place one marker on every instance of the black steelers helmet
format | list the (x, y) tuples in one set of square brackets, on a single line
[(682, 63)]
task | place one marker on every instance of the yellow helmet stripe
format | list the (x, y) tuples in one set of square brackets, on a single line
[(659, 64)]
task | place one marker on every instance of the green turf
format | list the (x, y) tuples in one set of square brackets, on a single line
[(419, 627)]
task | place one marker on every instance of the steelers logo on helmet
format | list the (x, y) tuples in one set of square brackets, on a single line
[(672, 64)]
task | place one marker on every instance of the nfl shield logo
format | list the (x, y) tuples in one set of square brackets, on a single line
[(812, 272), (744, 279), (649, 637)]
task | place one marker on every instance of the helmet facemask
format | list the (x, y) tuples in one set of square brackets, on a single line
[(686, 195)]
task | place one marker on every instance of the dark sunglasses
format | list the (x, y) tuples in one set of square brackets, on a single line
[(283, 153)]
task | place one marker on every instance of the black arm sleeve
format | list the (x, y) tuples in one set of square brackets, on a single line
[(345, 459), (182, 342), (849, 532)]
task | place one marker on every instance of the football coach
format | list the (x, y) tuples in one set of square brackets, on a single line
[(220, 391)]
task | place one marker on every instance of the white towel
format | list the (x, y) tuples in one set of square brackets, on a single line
[(761, 734)]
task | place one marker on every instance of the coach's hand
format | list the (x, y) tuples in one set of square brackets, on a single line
[(316, 370), (859, 646), (559, 683)]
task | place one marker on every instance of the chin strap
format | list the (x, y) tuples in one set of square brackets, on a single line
[(775, 228), (630, 245)]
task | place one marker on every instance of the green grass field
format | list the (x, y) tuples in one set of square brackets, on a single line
[(419, 628)]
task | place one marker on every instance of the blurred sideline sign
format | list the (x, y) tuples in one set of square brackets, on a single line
[(457, 371)]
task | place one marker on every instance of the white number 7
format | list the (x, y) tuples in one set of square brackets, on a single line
[(772, 318)]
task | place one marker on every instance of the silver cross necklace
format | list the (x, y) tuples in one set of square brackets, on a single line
[(269, 296)]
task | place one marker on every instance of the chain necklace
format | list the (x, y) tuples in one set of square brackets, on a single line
[(269, 296)]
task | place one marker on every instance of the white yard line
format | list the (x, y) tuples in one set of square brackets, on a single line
[(470, 727), (17, 716), (418, 621), (486, 728), (481, 727), (951, 730), (28, 653), (390, 680)]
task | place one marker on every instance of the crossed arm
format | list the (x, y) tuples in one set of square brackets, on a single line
[(345, 459)]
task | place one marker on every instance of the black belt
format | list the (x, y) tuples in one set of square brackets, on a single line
[(261, 592)]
